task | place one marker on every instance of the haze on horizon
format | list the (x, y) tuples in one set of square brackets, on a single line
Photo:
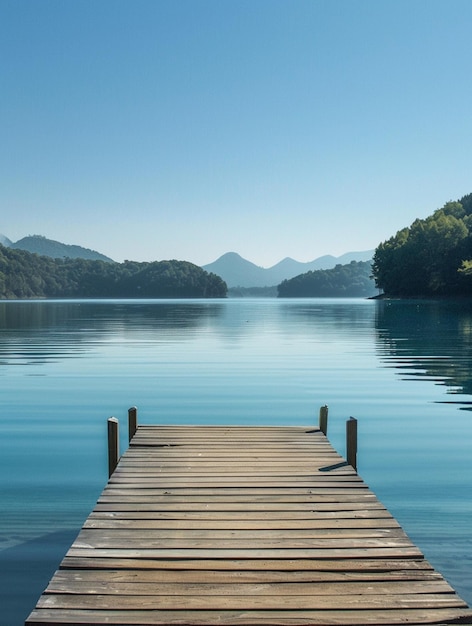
[(185, 129)]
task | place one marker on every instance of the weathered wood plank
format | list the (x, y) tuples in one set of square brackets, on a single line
[(346, 524), (211, 544), (312, 534), (250, 602), (308, 514), (174, 496), (158, 576), (233, 588), (171, 484), (378, 616), (137, 497), (246, 490), (134, 564), (311, 455), (285, 471), (243, 507), (269, 553)]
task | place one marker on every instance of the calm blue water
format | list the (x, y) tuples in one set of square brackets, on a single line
[(404, 369)]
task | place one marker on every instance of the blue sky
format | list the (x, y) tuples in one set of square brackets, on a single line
[(184, 129)]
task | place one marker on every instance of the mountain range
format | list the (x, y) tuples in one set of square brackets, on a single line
[(233, 268), (55, 249), (238, 272)]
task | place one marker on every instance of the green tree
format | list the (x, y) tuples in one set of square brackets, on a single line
[(425, 258), (27, 275), (351, 280)]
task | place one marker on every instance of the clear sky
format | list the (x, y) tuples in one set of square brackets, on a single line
[(184, 129)]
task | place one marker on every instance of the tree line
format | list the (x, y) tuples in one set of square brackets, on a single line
[(27, 275), (432, 257), (352, 280)]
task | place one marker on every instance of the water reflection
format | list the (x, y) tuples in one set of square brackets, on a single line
[(429, 340), (340, 315), (49, 331)]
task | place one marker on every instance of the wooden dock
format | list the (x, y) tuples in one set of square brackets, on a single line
[(242, 525)]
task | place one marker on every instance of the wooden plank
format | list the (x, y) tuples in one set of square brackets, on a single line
[(377, 616), (269, 553), (307, 514), (243, 507), (140, 495), (310, 456), (221, 496), (313, 534), (233, 588), (249, 602), (238, 469), (158, 576), (134, 564), (210, 544), (314, 525), (215, 482), (247, 618)]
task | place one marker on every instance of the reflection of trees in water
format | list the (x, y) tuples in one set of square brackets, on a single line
[(44, 331), (430, 339), (340, 316)]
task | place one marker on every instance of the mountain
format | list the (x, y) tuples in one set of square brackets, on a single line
[(55, 249), (238, 272), (5, 241)]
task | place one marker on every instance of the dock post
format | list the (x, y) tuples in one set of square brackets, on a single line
[(113, 445), (351, 442), (132, 422), (324, 419)]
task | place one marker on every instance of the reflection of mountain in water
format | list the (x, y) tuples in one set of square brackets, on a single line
[(428, 339), (44, 331)]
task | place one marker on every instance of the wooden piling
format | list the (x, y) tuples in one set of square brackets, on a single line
[(132, 421), (351, 442), (324, 419), (113, 445)]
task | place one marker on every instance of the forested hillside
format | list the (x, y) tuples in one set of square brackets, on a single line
[(351, 280), (27, 275), (432, 257), (55, 249)]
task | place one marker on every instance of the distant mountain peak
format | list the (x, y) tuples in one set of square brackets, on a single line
[(234, 257), (49, 247), (229, 255), (239, 272)]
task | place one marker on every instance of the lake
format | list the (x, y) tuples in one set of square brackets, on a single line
[(402, 368)]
